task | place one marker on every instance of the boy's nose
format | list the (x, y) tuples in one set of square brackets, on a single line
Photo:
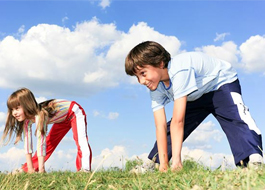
[(142, 81)]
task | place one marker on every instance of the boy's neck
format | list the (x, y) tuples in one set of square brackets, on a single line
[(165, 77), (166, 83)]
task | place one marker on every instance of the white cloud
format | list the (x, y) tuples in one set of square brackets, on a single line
[(65, 159), (2, 129), (113, 115), (104, 3), (96, 113), (2, 121), (2, 117), (12, 159), (118, 156), (61, 154), (67, 140), (115, 157), (220, 36), (252, 53), (21, 29), (64, 19), (201, 137), (209, 159), (55, 59), (96, 76), (249, 56), (40, 99), (110, 115), (62, 160), (137, 34), (227, 51)]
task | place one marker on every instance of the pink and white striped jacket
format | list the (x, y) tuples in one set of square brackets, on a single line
[(62, 107)]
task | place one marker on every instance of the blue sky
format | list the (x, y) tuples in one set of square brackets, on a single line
[(76, 49)]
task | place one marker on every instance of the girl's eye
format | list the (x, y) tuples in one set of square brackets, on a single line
[(16, 108)]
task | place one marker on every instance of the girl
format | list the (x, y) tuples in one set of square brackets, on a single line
[(23, 111)]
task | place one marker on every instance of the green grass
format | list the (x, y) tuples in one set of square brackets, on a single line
[(193, 176)]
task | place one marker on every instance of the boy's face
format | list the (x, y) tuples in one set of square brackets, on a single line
[(149, 76)]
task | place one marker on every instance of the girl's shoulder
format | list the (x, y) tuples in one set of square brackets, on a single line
[(29, 122), (61, 101)]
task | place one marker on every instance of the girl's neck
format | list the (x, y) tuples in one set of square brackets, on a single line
[(32, 119)]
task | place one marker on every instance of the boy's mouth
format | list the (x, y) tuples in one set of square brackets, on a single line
[(148, 85)]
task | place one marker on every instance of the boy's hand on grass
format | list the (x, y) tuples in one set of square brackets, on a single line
[(176, 167), (163, 167)]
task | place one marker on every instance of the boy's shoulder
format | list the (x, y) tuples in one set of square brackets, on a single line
[(193, 58), (184, 60), (189, 55)]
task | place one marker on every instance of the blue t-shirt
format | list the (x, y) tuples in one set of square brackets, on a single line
[(192, 74)]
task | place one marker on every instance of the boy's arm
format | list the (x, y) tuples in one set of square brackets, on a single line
[(177, 131), (161, 136)]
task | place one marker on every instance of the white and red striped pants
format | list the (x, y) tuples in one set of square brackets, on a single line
[(75, 120)]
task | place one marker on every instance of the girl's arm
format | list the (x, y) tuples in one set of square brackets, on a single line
[(29, 163), (28, 146), (41, 164), (177, 131), (161, 136), (41, 147), (41, 150)]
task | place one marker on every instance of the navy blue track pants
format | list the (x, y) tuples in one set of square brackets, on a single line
[(227, 106)]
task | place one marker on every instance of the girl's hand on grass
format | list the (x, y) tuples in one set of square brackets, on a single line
[(31, 171), (42, 171)]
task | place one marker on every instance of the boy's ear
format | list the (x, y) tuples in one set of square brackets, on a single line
[(162, 65)]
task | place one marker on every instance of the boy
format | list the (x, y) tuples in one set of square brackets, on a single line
[(199, 85)]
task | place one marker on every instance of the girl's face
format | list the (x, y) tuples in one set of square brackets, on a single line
[(18, 113)]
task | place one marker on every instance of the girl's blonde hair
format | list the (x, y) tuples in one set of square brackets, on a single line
[(26, 99)]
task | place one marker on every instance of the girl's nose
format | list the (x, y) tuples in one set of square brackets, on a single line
[(14, 112)]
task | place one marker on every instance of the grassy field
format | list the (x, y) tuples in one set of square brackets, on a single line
[(193, 176)]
